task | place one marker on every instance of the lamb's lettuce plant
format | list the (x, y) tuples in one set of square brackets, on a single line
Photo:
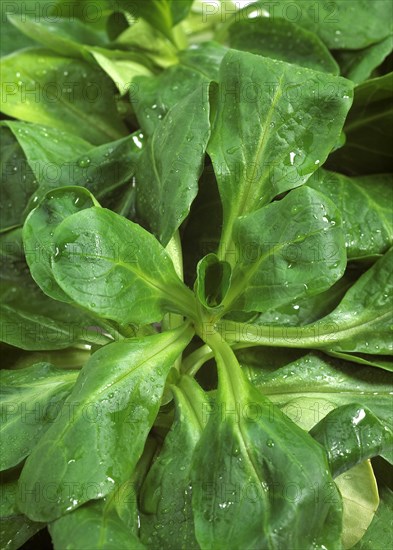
[(197, 246)]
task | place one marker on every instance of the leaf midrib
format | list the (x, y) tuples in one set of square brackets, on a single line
[(260, 149)]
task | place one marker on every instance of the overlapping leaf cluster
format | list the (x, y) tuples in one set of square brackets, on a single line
[(196, 235)]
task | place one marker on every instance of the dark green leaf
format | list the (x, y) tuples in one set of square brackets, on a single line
[(204, 58), (366, 207), (72, 161), (16, 529), (260, 100), (38, 234), (369, 130), (359, 64), (248, 457), (69, 358), (259, 361), (18, 182), (13, 266), (288, 249), (305, 310), (116, 269), (48, 151), (113, 405), (166, 492), (67, 94), (171, 164), (31, 400), (382, 361), (343, 24), (161, 14), (362, 322), (346, 23), (156, 12), (179, 10), (31, 321), (11, 38), (94, 14), (351, 434), (153, 97), (271, 37)]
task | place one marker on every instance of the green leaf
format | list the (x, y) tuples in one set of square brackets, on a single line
[(16, 529), (204, 58), (166, 493), (161, 14), (13, 266), (38, 234), (270, 38), (359, 490), (368, 129), (72, 161), (67, 94), (347, 23), (31, 321), (305, 310), (157, 13), (106, 170), (71, 358), (362, 322), (113, 405), (282, 257), (352, 434), (95, 15), (213, 281), (66, 37), (259, 361), (310, 387), (143, 38), (260, 100), (380, 533), (31, 400), (248, 457), (48, 150), (171, 164), (343, 24), (382, 361), (18, 182), (98, 525), (180, 10), (116, 269), (122, 67), (366, 207), (153, 97), (359, 64), (11, 38)]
